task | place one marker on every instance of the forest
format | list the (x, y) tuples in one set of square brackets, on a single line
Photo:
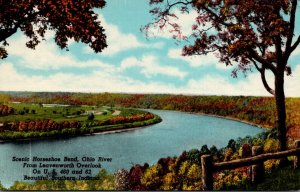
[(257, 110), (182, 172)]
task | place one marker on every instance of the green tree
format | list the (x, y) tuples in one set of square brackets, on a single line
[(68, 18), (249, 34), (1, 186)]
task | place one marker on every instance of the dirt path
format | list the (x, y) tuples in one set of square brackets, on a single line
[(116, 112)]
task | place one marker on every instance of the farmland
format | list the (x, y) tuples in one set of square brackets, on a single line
[(33, 121)]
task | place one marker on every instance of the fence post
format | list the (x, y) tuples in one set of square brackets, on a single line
[(297, 157), (258, 170), (207, 172)]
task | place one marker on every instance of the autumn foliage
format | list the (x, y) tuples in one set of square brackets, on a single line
[(248, 34), (127, 119), (184, 172), (67, 18), (40, 125), (5, 110), (257, 110)]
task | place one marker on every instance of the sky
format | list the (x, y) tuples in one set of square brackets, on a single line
[(132, 63)]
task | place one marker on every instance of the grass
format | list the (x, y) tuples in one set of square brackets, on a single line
[(58, 114), (280, 179), (27, 112)]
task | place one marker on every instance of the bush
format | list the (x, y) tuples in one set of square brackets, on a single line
[(1, 187), (122, 180), (151, 178), (194, 156), (22, 112), (271, 146), (231, 144), (204, 150), (91, 116)]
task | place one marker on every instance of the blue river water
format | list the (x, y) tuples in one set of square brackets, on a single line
[(177, 132)]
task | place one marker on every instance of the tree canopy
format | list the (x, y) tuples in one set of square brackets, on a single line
[(68, 18), (242, 32), (257, 34)]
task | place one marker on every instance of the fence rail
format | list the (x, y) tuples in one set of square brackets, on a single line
[(208, 167)]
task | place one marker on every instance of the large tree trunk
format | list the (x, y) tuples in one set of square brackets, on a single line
[(280, 108)]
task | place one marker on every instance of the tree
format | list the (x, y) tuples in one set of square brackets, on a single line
[(249, 34), (91, 116), (68, 18)]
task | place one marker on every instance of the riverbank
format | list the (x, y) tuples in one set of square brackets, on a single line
[(73, 132), (235, 119)]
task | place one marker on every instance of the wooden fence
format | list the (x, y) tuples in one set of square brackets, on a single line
[(256, 161)]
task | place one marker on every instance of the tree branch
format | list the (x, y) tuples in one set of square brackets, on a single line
[(176, 3), (265, 83), (216, 17), (263, 77), (292, 25), (256, 66), (261, 60), (277, 43), (295, 45), (7, 33)]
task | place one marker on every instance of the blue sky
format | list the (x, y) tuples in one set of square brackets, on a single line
[(131, 63)]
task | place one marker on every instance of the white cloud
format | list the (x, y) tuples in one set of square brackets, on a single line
[(217, 85), (118, 41), (198, 60), (100, 81), (195, 60), (47, 56), (184, 20), (251, 85), (149, 67)]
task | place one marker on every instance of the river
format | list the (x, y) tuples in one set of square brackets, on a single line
[(177, 132)]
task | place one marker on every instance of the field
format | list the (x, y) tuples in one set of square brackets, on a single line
[(55, 112), (33, 121)]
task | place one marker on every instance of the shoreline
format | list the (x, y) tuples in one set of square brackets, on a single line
[(233, 119), (156, 120), (219, 116), (120, 130)]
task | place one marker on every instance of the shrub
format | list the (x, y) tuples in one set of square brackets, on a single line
[(168, 181), (228, 154), (22, 112), (245, 151), (1, 187), (229, 180), (194, 173), (151, 178), (204, 150), (91, 116), (122, 180), (231, 144), (271, 146), (194, 156)]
